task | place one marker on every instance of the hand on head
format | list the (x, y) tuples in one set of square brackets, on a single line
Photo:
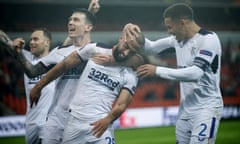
[(132, 36)]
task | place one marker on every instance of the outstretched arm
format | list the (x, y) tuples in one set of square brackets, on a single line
[(71, 61), (15, 49), (191, 73), (108, 60), (120, 106), (30, 69)]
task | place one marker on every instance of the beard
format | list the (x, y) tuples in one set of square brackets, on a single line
[(117, 57)]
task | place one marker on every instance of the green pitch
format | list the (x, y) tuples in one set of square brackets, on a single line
[(229, 133)]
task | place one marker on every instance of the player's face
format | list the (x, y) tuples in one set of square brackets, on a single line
[(77, 25), (39, 44), (175, 28), (121, 51)]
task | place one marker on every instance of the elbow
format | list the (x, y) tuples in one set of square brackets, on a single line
[(197, 74)]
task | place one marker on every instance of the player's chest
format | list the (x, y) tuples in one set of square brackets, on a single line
[(186, 52)]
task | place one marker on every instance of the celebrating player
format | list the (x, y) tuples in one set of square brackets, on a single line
[(198, 54)]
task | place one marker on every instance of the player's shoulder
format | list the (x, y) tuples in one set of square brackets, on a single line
[(208, 35)]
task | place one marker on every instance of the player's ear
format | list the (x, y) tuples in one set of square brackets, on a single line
[(89, 27)]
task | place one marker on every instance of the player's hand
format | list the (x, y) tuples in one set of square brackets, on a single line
[(103, 59), (99, 127), (146, 70), (130, 34), (94, 6), (18, 44), (131, 31), (35, 95)]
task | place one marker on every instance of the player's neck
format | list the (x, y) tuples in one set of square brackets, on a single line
[(42, 54), (82, 41), (192, 30)]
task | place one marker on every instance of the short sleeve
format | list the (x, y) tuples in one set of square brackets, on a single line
[(209, 50), (131, 80), (52, 58)]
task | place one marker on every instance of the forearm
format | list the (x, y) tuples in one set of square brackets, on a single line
[(51, 75), (30, 69), (116, 112), (155, 47), (192, 73), (68, 63), (121, 105)]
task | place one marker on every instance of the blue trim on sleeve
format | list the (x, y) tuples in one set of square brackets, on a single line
[(128, 90), (201, 63)]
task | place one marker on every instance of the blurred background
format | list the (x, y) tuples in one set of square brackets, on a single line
[(156, 100)]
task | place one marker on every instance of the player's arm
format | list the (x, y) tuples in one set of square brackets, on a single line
[(69, 62), (108, 60), (120, 106), (6, 43), (29, 69), (191, 73), (132, 31), (94, 6), (207, 58)]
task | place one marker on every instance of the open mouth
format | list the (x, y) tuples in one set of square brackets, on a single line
[(71, 29)]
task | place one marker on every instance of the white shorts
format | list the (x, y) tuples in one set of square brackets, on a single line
[(79, 132), (201, 129), (33, 132), (53, 129)]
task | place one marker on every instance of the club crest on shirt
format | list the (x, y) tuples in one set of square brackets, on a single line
[(193, 51), (102, 78)]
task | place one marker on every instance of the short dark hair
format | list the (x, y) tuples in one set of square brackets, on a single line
[(179, 11), (45, 31), (90, 18)]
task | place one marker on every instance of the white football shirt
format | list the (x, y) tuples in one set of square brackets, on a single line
[(65, 87), (99, 86), (204, 51), (38, 113)]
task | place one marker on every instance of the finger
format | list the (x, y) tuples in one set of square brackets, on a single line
[(99, 134), (129, 36), (135, 32)]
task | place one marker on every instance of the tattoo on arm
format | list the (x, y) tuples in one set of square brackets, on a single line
[(30, 69)]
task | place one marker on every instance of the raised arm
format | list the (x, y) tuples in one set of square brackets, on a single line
[(94, 6), (29, 69), (120, 106), (70, 62)]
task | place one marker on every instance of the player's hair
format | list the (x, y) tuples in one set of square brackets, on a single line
[(45, 31), (90, 18), (179, 11)]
